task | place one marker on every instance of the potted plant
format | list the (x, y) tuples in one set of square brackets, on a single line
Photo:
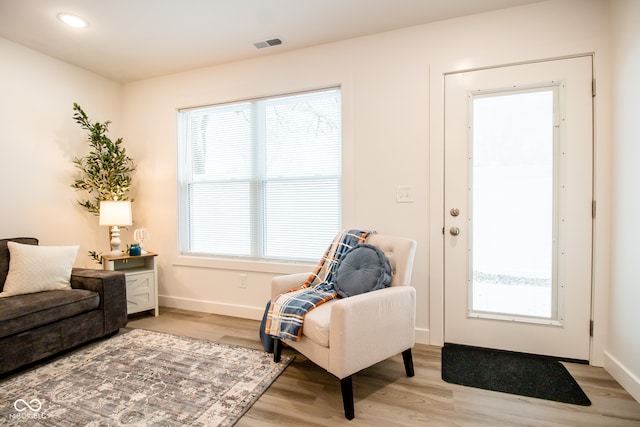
[(106, 172)]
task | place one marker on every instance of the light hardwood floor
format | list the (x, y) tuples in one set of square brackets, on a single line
[(306, 395)]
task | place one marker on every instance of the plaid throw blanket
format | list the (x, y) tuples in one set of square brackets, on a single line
[(286, 312)]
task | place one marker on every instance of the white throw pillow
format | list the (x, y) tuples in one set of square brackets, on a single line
[(35, 268)]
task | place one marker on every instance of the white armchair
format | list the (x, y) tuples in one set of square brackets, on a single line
[(347, 335)]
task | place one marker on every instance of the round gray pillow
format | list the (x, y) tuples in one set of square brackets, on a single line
[(362, 268)]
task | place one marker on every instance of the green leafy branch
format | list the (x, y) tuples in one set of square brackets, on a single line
[(106, 172)]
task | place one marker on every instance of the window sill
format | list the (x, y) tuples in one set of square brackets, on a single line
[(242, 265)]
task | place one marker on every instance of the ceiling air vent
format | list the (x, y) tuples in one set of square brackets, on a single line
[(267, 43)]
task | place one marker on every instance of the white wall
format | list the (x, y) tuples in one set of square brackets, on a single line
[(393, 97), (38, 139), (385, 104), (623, 347)]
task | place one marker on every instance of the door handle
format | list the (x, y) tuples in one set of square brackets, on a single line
[(454, 231)]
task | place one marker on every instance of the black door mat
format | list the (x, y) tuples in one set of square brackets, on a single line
[(516, 373)]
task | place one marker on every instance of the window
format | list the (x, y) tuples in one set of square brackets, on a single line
[(261, 179), (514, 176)]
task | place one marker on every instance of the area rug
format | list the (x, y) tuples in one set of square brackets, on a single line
[(141, 378), (515, 373)]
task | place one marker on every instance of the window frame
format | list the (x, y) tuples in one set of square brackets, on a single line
[(257, 260)]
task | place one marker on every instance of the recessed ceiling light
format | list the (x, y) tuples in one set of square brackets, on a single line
[(72, 20)]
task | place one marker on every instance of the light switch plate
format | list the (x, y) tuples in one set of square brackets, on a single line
[(404, 194)]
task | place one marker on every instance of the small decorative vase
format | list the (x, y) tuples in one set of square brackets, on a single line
[(134, 250)]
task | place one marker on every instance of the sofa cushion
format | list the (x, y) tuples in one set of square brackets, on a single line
[(4, 255), (316, 323), (38, 268), (363, 268), (20, 313)]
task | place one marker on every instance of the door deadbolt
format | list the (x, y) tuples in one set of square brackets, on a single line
[(454, 211), (454, 231)]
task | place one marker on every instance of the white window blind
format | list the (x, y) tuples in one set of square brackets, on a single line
[(261, 179)]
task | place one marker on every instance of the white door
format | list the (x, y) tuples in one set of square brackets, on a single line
[(518, 207)]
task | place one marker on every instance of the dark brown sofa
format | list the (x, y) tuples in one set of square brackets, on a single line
[(38, 325)]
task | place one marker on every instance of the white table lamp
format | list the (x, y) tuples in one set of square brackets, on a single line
[(114, 214)]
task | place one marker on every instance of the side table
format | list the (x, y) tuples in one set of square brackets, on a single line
[(142, 279)]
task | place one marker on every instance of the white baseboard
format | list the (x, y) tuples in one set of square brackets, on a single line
[(242, 311), (624, 376)]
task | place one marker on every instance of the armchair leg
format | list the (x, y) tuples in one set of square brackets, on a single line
[(277, 350), (408, 362), (346, 384)]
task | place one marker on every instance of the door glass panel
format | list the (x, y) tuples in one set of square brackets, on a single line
[(513, 203)]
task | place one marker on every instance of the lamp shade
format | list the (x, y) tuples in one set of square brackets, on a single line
[(115, 212)]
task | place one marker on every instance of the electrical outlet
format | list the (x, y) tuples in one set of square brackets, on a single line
[(404, 194), (243, 281)]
